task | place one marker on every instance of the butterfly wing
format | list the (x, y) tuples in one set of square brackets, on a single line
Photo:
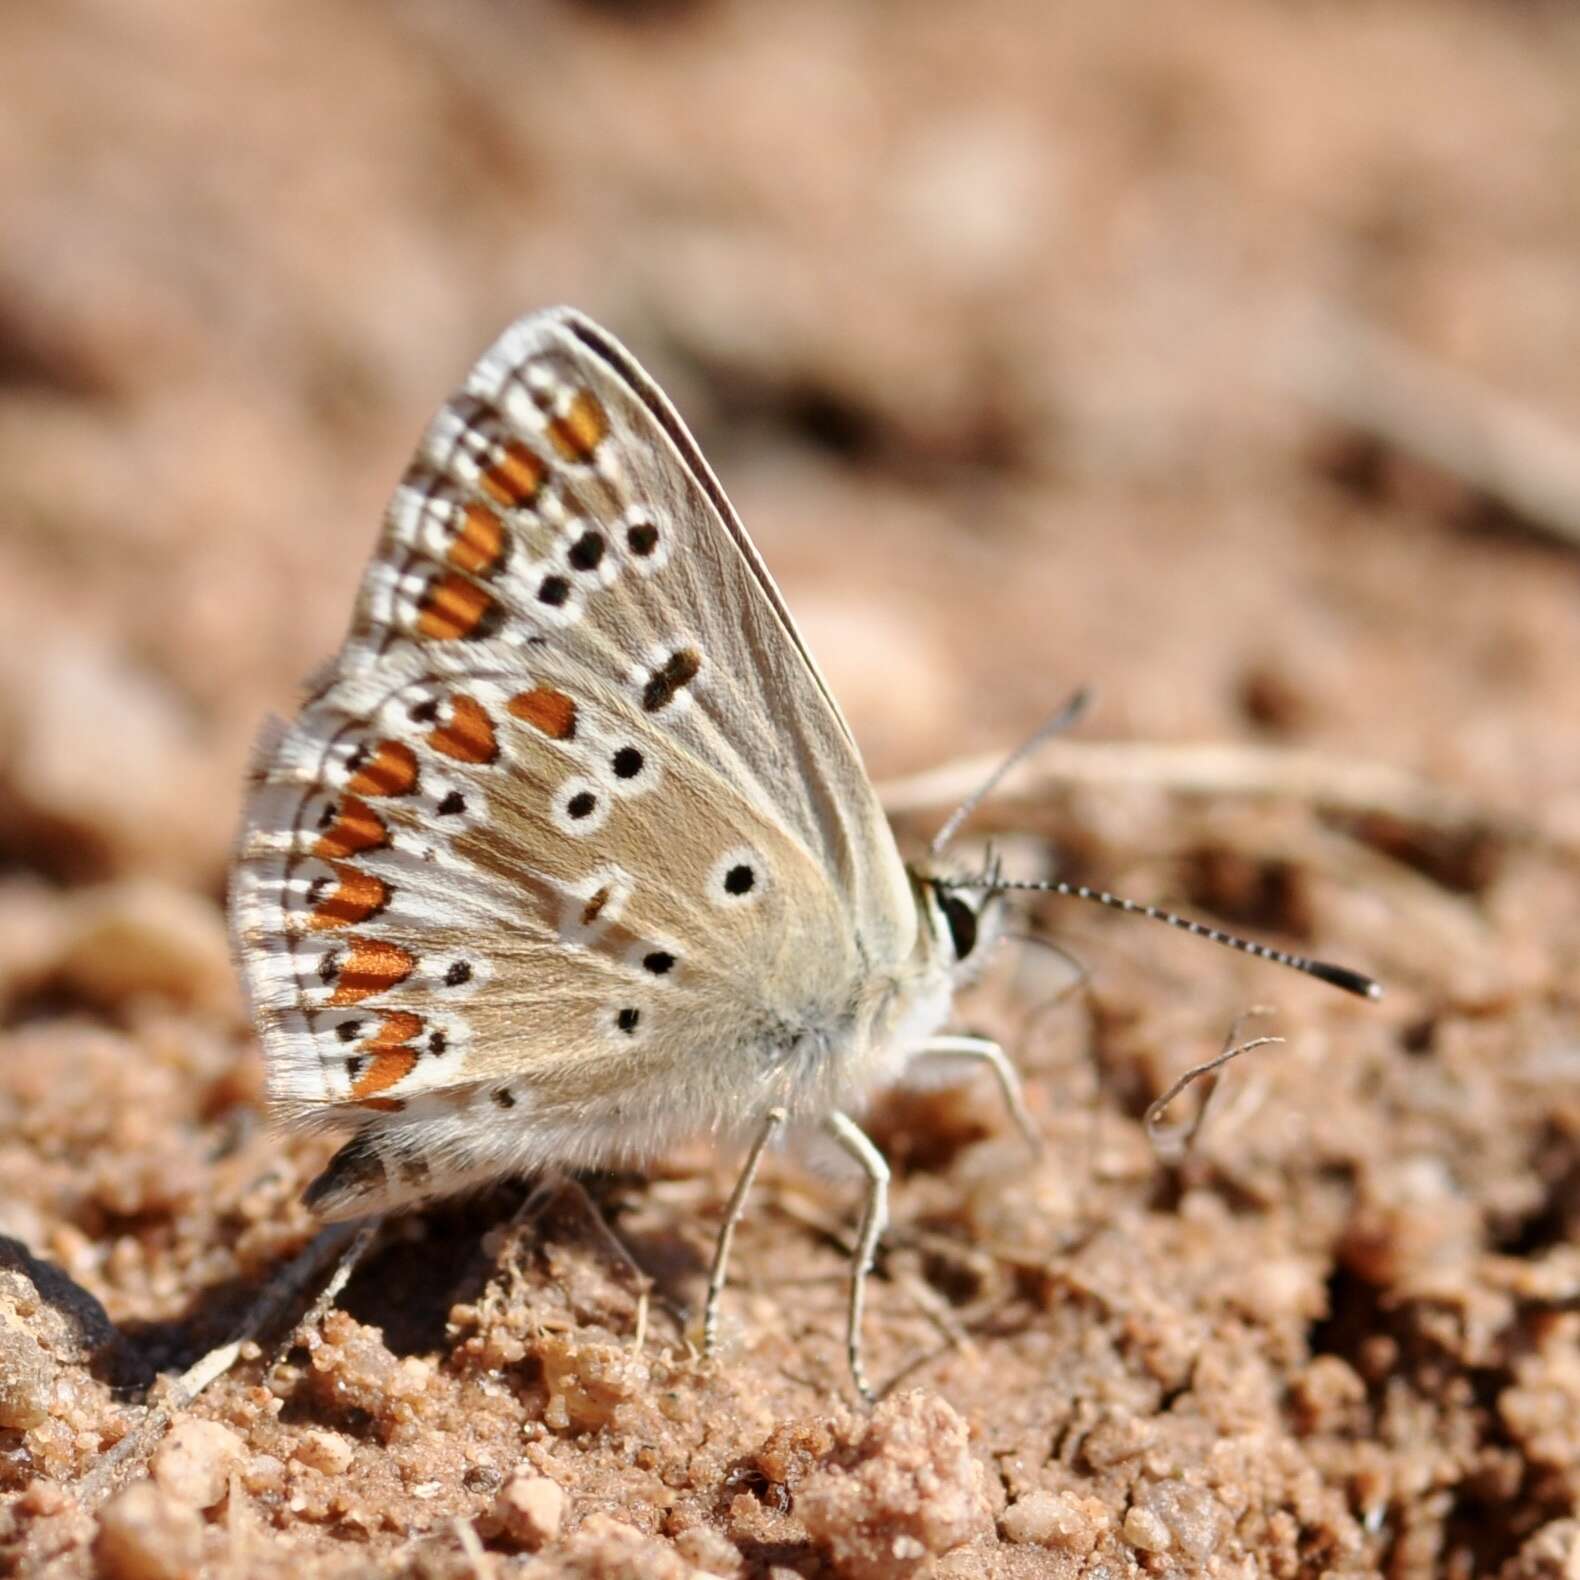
[(572, 826)]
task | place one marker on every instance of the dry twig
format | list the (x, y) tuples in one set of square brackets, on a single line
[(1171, 1144), (1333, 784), (282, 1291)]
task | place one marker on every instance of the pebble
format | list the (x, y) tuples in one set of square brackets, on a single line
[(528, 1511), (910, 1491), (27, 1374), (709, 1550), (194, 1462), (1145, 1530), (325, 1451), (131, 938), (144, 1534), (1048, 1519)]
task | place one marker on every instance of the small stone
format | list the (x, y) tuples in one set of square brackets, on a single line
[(528, 1511), (587, 1383), (264, 1475), (709, 1550), (325, 1451), (909, 1491), (1553, 1553), (27, 1376), (194, 1462), (608, 1547), (1325, 1392), (127, 939), (1119, 1438), (144, 1534), (43, 1499), (48, 1325), (1191, 1515), (1145, 1530), (1051, 1519), (415, 1375)]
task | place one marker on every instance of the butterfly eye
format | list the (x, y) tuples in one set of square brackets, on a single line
[(962, 922)]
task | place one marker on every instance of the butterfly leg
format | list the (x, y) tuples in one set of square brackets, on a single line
[(732, 1214), (619, 1252), (874, 1219), (1004, 1072)]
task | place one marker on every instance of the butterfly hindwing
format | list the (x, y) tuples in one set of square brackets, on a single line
[(572, 819)]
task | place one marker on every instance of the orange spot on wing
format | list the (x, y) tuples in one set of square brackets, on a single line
[(515, 478), (356, 897), (396, 1026), (547, 710), (480, 544), (469, 736), (370, 966), (356, 827), (384, 1105), (390, 770), (452, 607), (383, 1071), (581, 430)]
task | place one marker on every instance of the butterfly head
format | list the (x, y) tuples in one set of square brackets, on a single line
[(964, 915), (963, 903)]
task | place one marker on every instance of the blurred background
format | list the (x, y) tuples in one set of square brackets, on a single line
[(1009, 335), (1222, 357)]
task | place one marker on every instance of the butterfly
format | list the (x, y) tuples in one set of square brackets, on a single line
[(569, 854)]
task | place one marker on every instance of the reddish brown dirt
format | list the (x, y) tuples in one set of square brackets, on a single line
[(996, 321)]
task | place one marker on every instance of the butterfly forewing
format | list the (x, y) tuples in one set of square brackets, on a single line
[(572, 818)]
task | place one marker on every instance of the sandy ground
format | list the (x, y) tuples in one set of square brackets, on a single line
[(1219, 357)]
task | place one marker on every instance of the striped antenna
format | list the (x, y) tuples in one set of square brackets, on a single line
[(1355, 982), (1062, 720)]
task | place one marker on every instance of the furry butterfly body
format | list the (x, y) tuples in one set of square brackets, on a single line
[(570, 853)]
